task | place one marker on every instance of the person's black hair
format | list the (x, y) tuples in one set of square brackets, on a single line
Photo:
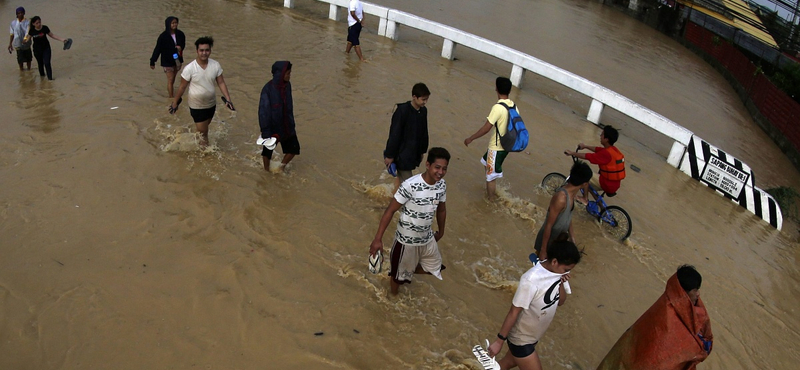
[(689, 278), (33, 20), (205, 40), (611, 134), (580, 173), (503, 85), (420, 90), (436, 153), (565, 251)]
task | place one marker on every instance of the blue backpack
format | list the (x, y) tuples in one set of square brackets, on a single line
[(516, 137)]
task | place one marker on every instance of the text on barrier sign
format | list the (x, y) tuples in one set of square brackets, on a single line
[(724, 176)]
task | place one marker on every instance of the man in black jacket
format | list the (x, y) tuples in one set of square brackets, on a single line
[(276, 114), (408, 135)]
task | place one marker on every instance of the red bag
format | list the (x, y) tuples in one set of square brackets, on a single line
[(671, 335)]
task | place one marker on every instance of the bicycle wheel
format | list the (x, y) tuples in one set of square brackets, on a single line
[(616, 222), (553, 181)]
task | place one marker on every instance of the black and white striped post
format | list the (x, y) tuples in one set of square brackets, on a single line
[(729, 177)]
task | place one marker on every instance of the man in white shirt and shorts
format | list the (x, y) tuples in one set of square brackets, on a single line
[(199, 76), (355, 21), (421, 197)]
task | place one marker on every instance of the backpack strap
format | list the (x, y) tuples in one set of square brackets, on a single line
[(497, 130)]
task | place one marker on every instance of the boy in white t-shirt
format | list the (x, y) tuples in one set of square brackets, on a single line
[(421, 197), (199, 76), (539, 294)]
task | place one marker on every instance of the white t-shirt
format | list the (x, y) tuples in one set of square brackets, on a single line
[(537, 295), (202, 93), (355, 6), (420, 202), (19, 30)]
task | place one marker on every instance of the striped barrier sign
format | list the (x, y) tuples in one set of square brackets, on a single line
[(730, 178)]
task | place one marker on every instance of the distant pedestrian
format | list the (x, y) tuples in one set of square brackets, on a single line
[(41, 46), (408, 134), (355, 22), (19, 28), (276, 114), (169, 47), (497, 121), (199, 76)]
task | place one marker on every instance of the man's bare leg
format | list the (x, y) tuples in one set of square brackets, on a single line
[(491, 188), (266, 162), (395, 287), (358, 52), (286, 159), (202, 128), (349, 46)]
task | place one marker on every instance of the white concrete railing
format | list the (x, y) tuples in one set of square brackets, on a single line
[(600, 95), (390, 19)]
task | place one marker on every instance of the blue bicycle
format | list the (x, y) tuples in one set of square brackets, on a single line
[(613, 219)]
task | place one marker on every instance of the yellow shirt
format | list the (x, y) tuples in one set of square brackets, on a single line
[(498, 117)]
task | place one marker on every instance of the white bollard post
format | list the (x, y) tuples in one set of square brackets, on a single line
[(516, 75), (676, 154), (333, 13), (288, 4), (595, 111), (391, 30), (447, 49)]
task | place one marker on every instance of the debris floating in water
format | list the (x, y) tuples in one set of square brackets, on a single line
[(114, 107), (636, 169), (318, 333)]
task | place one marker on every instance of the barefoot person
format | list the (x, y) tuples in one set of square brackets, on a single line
[(355, 22), (169, 47), (540, 292), (199, 76), (276, 114), (415, 249), (41, 46), (19, 28), (559, 213), (408, 134), (497, 121)]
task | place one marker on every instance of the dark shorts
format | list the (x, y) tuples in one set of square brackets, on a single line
[(289, 146), (521, 351), (352, 34), (24, 56), (201, 115)]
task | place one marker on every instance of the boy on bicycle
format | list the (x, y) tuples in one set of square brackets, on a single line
[(608, 157)]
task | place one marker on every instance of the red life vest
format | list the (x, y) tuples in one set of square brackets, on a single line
[(614, 170)]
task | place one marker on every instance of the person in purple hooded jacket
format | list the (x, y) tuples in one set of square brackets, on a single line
[(169, 47), (276, 114)]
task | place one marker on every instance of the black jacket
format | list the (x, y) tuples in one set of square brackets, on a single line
[(408, 136), (165, 47), (275, 108)]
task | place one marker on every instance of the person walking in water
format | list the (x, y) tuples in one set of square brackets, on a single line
[(559, 213), (199, 76), (41, 46), (169, 47), (420, 199), (276, 115), (355, 22), (539, 294), (19, 28), (497, 120), (408, 135)]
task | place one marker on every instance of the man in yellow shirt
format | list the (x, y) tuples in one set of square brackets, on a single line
[(497, 121)]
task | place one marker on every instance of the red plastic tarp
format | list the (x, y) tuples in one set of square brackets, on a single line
[(665, 337)]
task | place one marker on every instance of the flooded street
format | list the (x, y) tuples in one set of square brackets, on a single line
[(125, 246)]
